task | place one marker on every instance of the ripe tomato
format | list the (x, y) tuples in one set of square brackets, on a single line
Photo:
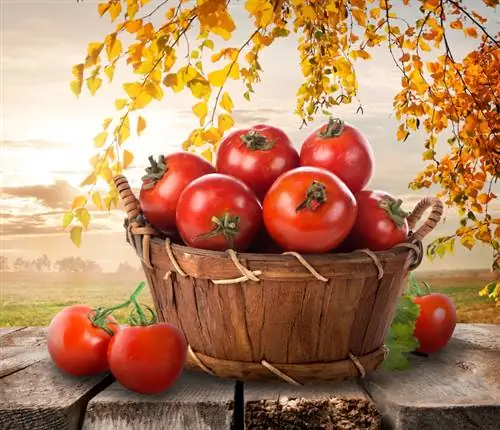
[(341, 149), (380, 223), (309, 209), (218, 212), (436, 322), (257, 156), (147, 359), (75, 345), (163, 183)]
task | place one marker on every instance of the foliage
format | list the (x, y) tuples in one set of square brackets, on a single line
[(447, 99)]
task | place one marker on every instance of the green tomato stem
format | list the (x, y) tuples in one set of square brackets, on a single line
[(255, 141), (315, 193), (334, 129), (154, 172), (227, 225), (394, 210)]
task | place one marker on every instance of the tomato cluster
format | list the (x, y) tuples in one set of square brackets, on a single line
[(145, 356), (265, 196)]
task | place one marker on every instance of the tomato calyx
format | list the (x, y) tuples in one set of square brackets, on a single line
[(415, 290), (154, 172), (394, 210), (334, 128), (255, 141), (227, 225), (98, 316), (316, 193)]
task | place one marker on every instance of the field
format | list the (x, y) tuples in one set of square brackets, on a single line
[(28, 299)]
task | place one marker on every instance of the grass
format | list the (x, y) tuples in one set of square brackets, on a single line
[(33, 299)]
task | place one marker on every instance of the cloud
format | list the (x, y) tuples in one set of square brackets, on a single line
[(54, 196)]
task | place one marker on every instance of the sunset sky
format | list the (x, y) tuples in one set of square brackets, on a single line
[(47, 133)]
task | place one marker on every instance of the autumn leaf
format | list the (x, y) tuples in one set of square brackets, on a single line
[(224, 122), (226, 102), (89, 180), (83, 216), (120, 103), (79, 201), (201, 110), (96, 198), (76, 235), (100, 139), (141, 125), (67, 219), (128, 157)]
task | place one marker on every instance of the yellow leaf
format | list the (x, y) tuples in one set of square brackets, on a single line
[(262, 10), (201, 110), (457, 24), (134, 26), (106, 174), (93, 51), (77, 71), (470, 32), (468, 241), (76, 87), (141, 125), (224, 122), (424, 46), (100, 139), (207, 154), (84, 216), (109, 71), (141, 101), (115, 9), (218, 77), (78, 202), (106, 122), (96, 198), (132, 89), (200, 88), (120, 103), (154, 90), (359, 16), (226, 103), (89, 180), (122, 132), (93, 84), (113, 46), (401, 134), (102, 8), (483, 198), (76, 236), (428, 154), (67, 219), (128, 157)]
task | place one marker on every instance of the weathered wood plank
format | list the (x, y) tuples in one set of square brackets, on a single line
[(196, 401), (21, 348), (7, 330), (339, 405), (40, 397), (456, 388)]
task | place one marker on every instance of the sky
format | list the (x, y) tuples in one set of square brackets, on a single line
[(46, 132)]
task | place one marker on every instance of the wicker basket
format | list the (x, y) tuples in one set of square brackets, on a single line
[(301, 319)]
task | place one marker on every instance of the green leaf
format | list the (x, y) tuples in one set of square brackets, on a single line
[(68, 217)]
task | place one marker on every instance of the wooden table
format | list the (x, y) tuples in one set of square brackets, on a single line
[(457, 388)]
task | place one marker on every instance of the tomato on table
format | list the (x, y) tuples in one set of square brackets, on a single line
[(309, 209), (380, 223), (343, 150), (218, 212), (76, 341), (163, 183), (147, 359), (257, 156), (436, 323)]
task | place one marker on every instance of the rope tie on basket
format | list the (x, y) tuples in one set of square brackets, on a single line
[(279, 373), (199, 362), (171, 256), (376, 261), (359, 366), (246, 274), (305, 263)]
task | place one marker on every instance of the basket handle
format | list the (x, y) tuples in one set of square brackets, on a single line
[(127, 196), (432, 220)]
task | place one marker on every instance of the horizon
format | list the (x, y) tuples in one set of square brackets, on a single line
[(41, 119)]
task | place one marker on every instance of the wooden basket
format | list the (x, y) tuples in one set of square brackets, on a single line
[(302, 319)]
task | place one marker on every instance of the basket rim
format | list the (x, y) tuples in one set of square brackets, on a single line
[(354, 256)]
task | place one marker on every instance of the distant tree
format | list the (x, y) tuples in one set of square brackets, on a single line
[(20, 264), (92, 267), (77, 265), (125, 268), (4, 264)]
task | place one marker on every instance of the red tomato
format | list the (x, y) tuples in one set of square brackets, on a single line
[(218, 212), (436, 322), (75, 345), (380, 223), (163, 183), (257, 156), (341, 149), (309, 209), (147, 359)]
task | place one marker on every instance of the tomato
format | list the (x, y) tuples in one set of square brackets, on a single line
[(75, 345), (380, 223), (218, 212), (309, 209), (163, 183), (257, 156), (436, 322), (342, 149), (147, 359)]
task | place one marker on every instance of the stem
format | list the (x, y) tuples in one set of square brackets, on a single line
[(141, 319), (334, 128), (98, 316), (154, 172), (394, 210), (255, 141), (227, 225), (315, 193)]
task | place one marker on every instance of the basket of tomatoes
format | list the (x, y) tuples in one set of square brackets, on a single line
[(276, 263)]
